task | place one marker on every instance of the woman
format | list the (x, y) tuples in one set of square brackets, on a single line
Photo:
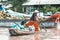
[(55, 18), (33, 21)]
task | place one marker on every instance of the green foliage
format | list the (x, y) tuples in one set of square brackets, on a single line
[(48, 8), (53, 9), (58, 9), (18, 5)]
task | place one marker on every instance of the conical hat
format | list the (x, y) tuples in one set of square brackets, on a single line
[(36, 11)]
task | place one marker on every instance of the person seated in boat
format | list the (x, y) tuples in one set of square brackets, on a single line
[(33, 22), (55, 18)]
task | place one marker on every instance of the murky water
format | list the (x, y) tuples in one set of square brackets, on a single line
[(4, 37), (49, 35)]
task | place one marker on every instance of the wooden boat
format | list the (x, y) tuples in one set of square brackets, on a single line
[(16, 32)]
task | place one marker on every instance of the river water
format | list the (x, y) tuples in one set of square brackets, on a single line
[(51, 34)]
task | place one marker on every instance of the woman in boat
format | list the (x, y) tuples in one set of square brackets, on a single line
[(33, 21), (55, 18)]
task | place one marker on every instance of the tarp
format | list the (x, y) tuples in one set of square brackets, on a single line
[(41, 2)]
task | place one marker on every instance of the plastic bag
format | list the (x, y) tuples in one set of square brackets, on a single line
[(30, 28), (15, 26)]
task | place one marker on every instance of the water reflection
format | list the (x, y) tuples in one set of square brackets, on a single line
[(21, 37), (24, 37), (4, 35), (36, 37)]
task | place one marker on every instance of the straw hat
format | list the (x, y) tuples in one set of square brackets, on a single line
[(36, 11)]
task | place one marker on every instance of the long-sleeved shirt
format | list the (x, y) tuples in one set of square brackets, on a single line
[(56, 17)]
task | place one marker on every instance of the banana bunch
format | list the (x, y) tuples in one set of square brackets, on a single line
[(3, 15)]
